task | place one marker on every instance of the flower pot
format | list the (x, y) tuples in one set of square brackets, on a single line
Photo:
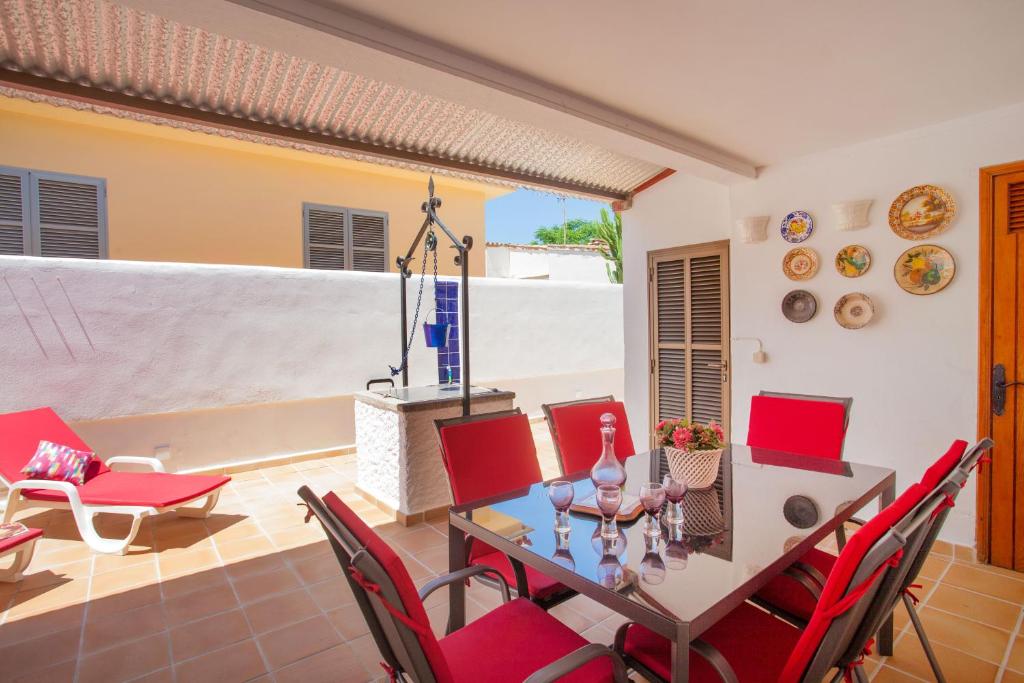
[(852, 215), (752, 229), (702, 513), (698, 469)]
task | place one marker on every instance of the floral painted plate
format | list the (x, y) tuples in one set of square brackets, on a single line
[(854, 311), (924, 269), (799, 306), (797, 226), (800, 263), (853, 261), (921, 212)]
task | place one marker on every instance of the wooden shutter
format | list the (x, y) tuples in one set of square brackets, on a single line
[(369, 241), (324, 235), (689, 333), (14, 212), (69, 216), (1015, 206)]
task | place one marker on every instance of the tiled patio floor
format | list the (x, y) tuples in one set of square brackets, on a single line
[(254, 594)]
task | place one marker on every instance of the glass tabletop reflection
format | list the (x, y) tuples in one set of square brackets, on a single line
[(763, 512)]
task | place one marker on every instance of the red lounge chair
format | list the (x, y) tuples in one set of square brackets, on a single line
[(22, 547), (576, 431), (751, 645), (485, 456), (514, 643), (127, 493)]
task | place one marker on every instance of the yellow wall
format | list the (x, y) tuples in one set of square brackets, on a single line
[(176, 195)]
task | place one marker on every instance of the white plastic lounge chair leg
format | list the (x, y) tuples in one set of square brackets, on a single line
[(201, 512), (22, 556)]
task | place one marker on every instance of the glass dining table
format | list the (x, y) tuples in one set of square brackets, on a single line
[(764, 511)]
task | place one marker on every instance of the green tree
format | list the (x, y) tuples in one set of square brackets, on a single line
[(609, 232), (576, 231)]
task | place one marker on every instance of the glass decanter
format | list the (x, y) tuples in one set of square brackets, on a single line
[(608, 469)]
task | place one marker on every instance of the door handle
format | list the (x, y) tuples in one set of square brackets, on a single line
[(999, 385)]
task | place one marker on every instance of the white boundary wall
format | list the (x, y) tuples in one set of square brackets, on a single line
[(226, 364)]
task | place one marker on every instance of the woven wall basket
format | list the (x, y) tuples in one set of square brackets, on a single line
[(698, 469)]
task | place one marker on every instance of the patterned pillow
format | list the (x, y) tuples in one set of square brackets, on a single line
[(59, 463)]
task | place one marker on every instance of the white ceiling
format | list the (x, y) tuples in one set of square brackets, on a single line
[(762, 80)]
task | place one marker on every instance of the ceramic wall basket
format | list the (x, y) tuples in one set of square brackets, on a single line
[(852, 215), (752, 229)]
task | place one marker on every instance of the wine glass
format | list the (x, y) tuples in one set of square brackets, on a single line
[(652, 569), (561, 494), (674, 492), (609, 500), (609, 571), (562, 555), (652, 497)]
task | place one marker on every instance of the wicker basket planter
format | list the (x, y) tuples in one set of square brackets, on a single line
[(698, 469)]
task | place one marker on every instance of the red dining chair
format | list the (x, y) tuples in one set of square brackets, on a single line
[(489, 455), (516, 642), (822, 422), (750, 644), (576, 431)]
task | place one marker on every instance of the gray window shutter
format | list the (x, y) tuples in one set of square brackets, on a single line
[(369, 241), (323, 236), (14, 212), (69, 216)]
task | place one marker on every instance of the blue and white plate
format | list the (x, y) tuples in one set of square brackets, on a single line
[(797, 226)]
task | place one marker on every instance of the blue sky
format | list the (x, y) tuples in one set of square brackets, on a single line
[(514, 217)]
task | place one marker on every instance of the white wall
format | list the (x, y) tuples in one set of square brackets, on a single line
[(553, 262), (232, 363), (913, 371)]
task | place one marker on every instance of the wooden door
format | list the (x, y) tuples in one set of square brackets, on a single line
[(688, 295), (1001, 344)]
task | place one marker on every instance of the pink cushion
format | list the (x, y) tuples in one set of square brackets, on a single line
[(578, 431), (510, 643), (149, 489), (15, 541), (20, 434), (489, 457), (58, 463), (801, 426), (942, 467)]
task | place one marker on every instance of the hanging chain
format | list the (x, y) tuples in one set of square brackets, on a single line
[(429, 242)]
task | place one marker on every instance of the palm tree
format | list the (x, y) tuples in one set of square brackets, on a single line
[(609, 233)]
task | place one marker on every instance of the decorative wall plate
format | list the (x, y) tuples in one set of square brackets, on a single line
[(800, 263), (797, 226), (854, 311), (924, 269), (921, 212), (799, 306), (853, 260)]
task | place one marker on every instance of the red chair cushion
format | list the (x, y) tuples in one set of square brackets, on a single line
[(815, 428), (754, 643), (540, 585), (392, 565), (577, 429), (512, 642), (20, 434), (487, 458), (148, 489), (842, 573), (942, 467), (10, 544), (789, 594)]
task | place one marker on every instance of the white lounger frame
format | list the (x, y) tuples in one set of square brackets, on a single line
[(22, 556), (84, 514)]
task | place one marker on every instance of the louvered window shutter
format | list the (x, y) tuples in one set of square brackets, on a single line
[(1015, 207), (369, 241), (15, 236), (69, 216), (324, 235), (689, 334)]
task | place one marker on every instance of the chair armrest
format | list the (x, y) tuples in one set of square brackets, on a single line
[(577, 658), (703, 648), (462, 575), (812, 572), (155, 464), (65, 487)]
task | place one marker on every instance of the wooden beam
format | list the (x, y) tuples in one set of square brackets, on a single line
[(51, 87)]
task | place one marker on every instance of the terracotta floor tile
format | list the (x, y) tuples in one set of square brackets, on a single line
[(62, 619), (233, 664), (48, 598), (332, 593), (292, 643), (232, 551), (421, 538), (338, 665), (280, 610), (942, 548), (57, 673), (269, 584), (212, 633), (956, 665), (435, 559), (139, 596), (317, 569), (39, 653), (188, 563), (109, 563), (963, 553), (887, 674), (125, 662), (120, 581), (934, 566), (982, 641), (366, 651), (40, 574), (1012, 677), (349, 622), (975, 606), (114, 629), (255, 565), (187, 583), (200, 604), (1016, 659), (161, 676)]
